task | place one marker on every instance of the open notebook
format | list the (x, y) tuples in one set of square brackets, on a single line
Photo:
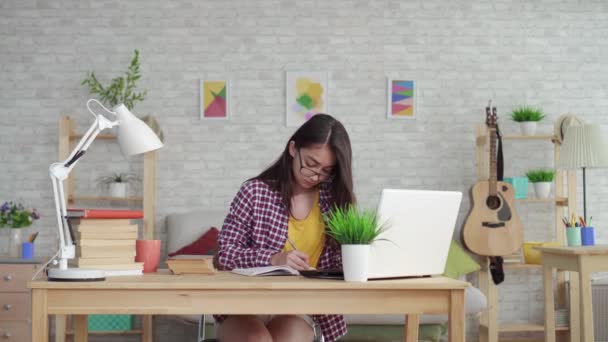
[(266, 271)]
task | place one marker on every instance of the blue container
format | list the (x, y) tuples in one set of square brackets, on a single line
[(588, 236), (110, 322), (27, 250), (520, 184)]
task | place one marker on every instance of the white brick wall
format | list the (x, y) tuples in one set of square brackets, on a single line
[(461, 53)]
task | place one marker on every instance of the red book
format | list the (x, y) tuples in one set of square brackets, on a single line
[(105, 213)]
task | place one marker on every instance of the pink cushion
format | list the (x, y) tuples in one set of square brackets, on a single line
[(206, 244)]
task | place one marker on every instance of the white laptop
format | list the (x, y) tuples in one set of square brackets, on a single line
[(418, 240), (421, 227)]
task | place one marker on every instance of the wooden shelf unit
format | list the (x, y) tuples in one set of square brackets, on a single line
[(68, 138), (564, 201)]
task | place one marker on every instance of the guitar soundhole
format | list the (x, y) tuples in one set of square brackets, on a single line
[(493, 202)]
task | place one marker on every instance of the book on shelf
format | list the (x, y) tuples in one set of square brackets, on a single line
[(266, 271), (109, 266), (108, 229), (105, 252), (191, 264), (104, 235), (99, 222), (92, 262), (105, 243), (105, 213)]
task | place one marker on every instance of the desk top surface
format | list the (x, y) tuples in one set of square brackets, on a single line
[(231, 281), (574, 251)]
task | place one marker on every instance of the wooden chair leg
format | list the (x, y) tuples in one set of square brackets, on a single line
[(147, 328), (412, 323)]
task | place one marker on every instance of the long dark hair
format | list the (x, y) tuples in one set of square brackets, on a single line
[(320, 129)]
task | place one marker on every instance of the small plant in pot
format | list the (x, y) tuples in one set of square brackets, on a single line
[(117, 183), (354, 230), (541, 179), (528, 118)]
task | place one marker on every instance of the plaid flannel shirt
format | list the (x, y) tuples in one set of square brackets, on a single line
[(256, 228)]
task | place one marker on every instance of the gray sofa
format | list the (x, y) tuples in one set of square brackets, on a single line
[(184, 228)]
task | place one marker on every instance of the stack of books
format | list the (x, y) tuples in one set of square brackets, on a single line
[(105, 240)]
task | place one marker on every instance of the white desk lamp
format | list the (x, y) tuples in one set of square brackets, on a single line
[(134, 137)]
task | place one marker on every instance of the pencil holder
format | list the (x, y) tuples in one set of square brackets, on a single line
[(27, 250), (588, 236), (573, 235)]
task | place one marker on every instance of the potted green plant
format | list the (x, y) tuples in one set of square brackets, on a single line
[(122, 90), (354, 230), (528, 118), (117, 183), (541, 179), (15, 216)]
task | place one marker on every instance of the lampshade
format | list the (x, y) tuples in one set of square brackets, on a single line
[(134, 136), (583, 147)]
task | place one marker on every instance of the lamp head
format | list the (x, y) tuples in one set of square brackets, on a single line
[(134, 136), (583, 147)]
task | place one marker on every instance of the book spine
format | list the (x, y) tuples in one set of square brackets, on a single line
[(105, 213)]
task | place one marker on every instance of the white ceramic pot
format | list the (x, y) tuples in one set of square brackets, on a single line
[(118, 190), (528, 127), (355, 262), (542, 189)]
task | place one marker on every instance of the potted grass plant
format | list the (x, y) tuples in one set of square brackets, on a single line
[(541, 179), (528, 118), (354, 230), (117, 183)]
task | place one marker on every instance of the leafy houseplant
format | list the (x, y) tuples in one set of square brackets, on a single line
[(355, 230), (542, 179), (14, 215), (122, 90), (117, 183), (528, 117)]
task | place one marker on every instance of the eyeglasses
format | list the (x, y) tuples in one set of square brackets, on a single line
[(308, 172)]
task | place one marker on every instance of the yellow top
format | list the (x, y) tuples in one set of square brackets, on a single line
[(308, 234)]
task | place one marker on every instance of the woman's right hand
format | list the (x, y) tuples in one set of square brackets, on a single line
[(295, 259)]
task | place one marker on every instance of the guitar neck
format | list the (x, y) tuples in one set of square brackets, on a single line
[(493, 162)]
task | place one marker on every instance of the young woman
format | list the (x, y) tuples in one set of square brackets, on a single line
[(276, 219)]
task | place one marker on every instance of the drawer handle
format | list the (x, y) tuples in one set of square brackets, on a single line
[(7, 307), (8, 277), (6, 335)]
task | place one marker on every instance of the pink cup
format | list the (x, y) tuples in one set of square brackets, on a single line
[(148, 252)]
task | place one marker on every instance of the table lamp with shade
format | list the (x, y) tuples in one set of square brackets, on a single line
[(134, 137), (583, 148)]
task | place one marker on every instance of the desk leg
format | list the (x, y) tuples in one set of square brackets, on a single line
[(60, 328), (81, 328), (549, 305), (412, 324), (575, 313), (456, 316), (40, 316), (584, 282)]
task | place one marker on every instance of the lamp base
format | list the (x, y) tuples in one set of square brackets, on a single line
[(76, 274)]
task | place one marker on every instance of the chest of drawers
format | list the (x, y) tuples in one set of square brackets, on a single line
[(15, 299)]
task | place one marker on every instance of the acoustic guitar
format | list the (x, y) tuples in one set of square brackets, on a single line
[(492, 227)]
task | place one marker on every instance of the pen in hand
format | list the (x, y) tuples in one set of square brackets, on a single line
[(293, 246)]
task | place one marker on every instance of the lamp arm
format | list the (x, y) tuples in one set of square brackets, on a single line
[(59, 172)]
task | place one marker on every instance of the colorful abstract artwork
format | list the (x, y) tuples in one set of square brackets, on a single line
[(401, 99), (306, 95), (214, 100)]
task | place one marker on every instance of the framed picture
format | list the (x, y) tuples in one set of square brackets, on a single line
[(306, 94), (214, 99), (401, 100)]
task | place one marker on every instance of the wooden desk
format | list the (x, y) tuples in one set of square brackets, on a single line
[(227, 293), (585, 260)]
